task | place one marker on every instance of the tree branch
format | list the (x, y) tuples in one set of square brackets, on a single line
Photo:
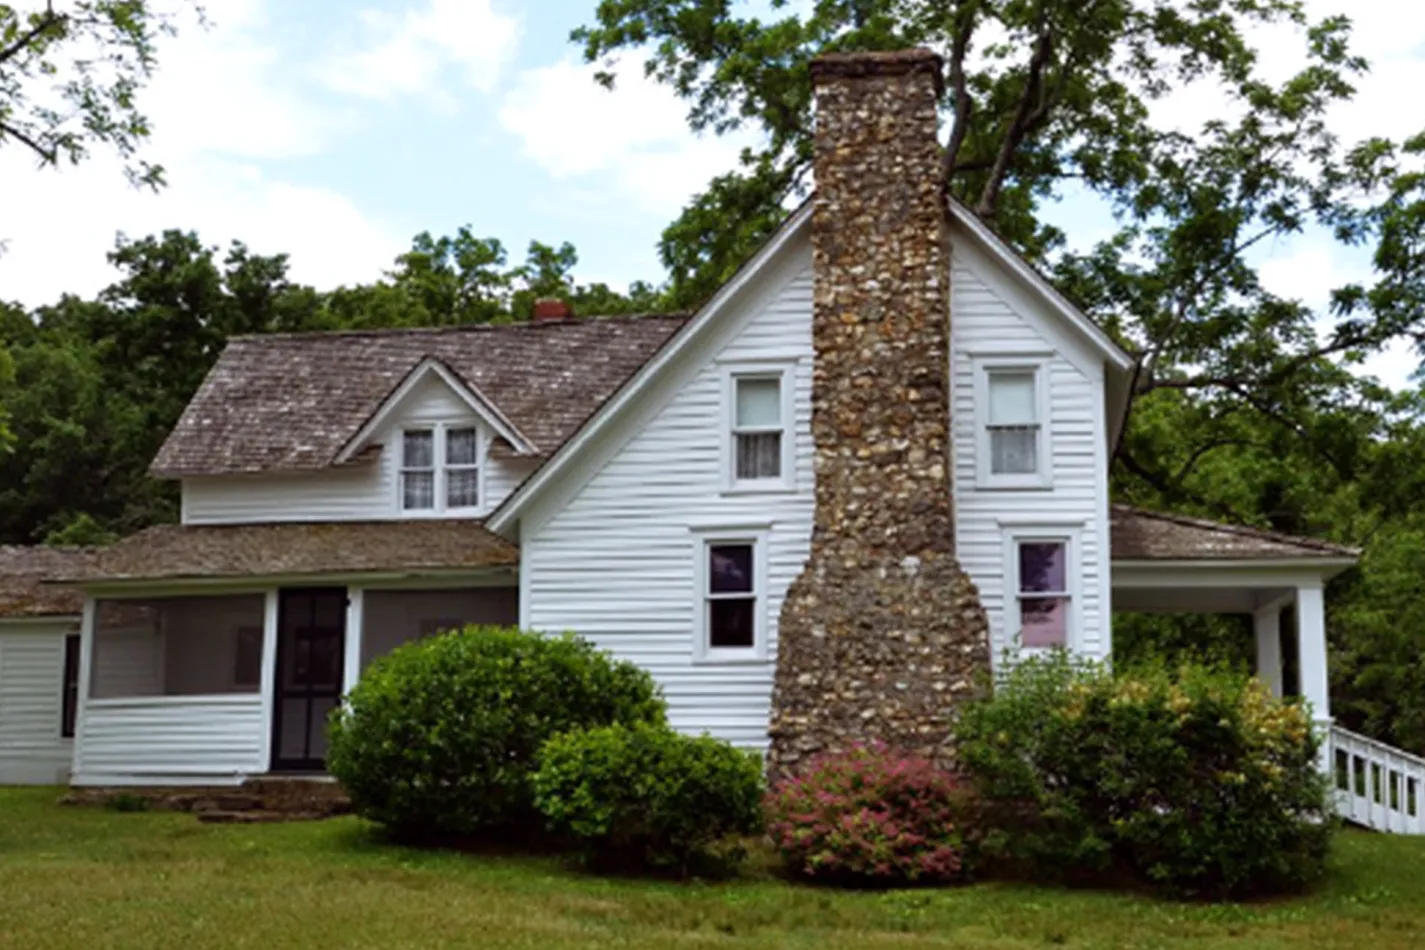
[(49, 155), (49, 19), (1031, 102), (964, 105), (1156, 480)]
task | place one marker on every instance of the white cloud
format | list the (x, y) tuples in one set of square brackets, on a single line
[(410, 55), (635, 137), (217, 107)]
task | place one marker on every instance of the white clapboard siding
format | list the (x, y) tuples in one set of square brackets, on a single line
[(983, 320), (196, 739), (613, 558), (360, 493), (32, 752), (616, 562)]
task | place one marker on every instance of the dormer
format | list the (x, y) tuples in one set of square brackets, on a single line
[(435, 432)]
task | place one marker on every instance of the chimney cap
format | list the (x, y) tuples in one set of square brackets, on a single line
[(866, 63), (548, 309)]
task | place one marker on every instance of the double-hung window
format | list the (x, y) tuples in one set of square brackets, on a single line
[(1042, 591), (440, 469), (731, 599), (1012, 442), (760, 451)]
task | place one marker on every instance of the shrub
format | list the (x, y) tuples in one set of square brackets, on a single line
[(1195, 779), (649, 796), (868, 816), (440, 736)]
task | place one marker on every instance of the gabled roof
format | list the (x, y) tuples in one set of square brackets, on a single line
[(1140, 535), (798, 221), (214, 552), (1001, 251), (23, 571), (478, 402), (696, 329), (293, 402)]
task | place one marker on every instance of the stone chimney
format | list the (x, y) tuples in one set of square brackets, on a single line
[(883, 634), (547, 309)]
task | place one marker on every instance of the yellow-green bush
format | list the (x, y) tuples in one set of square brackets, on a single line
[(1194, 778)]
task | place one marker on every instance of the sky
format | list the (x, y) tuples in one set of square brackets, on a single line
[(333, 131)]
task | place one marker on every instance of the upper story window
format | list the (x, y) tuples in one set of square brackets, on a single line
[(760, 451), (440, 468), (731, 599), (1043, 598), (1012, 426)]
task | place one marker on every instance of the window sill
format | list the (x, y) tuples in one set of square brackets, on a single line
[(731, 658), (769, 487), (431, 514), (991, 483)]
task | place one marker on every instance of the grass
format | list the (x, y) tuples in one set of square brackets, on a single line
[(94, 879)]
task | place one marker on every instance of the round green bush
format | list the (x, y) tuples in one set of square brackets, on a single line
[(868, 817), (440, 736), (1194, 778), (646, 795)]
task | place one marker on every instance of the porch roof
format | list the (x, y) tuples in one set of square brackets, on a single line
[(226, 552), (1140, 535), (23, 570)]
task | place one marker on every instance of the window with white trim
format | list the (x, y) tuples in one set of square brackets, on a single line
[(441, 468), (1012, 441), (1043, 597), (731, 597), (759, 452)]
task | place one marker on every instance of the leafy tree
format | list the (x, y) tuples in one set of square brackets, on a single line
[(70, 78)]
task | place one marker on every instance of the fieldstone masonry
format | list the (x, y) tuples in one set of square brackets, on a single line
[(883, 634)]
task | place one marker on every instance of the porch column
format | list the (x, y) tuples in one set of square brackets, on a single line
[(86, 677), (1311, 643), (267, 681), (1266, 622), (351, 652)]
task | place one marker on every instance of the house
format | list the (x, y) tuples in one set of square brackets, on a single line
[(39, 664), (870, 468)]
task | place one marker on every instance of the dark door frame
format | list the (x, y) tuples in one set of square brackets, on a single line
[(290, 630)]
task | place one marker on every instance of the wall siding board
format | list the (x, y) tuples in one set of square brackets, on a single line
[(613, 558), (362, 493), (32, 751), (616, 562), (216, 738)]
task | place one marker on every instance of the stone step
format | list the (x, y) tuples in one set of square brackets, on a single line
[(257, 817)]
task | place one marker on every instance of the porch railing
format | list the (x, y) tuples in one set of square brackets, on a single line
[(1377, 785)]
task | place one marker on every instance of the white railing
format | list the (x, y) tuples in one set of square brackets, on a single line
[(1377, 785)]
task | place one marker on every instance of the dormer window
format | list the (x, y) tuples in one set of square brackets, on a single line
[(440, 469)]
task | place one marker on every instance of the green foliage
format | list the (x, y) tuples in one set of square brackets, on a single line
[(440, 736), (869, 816), (70, 75), (646, 795), (1193, 778)]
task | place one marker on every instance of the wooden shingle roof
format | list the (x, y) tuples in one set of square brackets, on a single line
[(188, 552), (291, 402), (23, 571), (1140, 535)]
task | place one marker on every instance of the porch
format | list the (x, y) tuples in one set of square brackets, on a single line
[(207, 680), (1167, 564)]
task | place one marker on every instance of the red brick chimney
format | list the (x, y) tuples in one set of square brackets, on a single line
[(883, 633), (551, 308)]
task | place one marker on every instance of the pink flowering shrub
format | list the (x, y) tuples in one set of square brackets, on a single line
[(868, 816)]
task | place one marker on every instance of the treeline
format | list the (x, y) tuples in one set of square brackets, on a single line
[(92, 386)]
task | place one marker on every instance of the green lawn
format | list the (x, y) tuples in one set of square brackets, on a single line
[(92, 879)]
